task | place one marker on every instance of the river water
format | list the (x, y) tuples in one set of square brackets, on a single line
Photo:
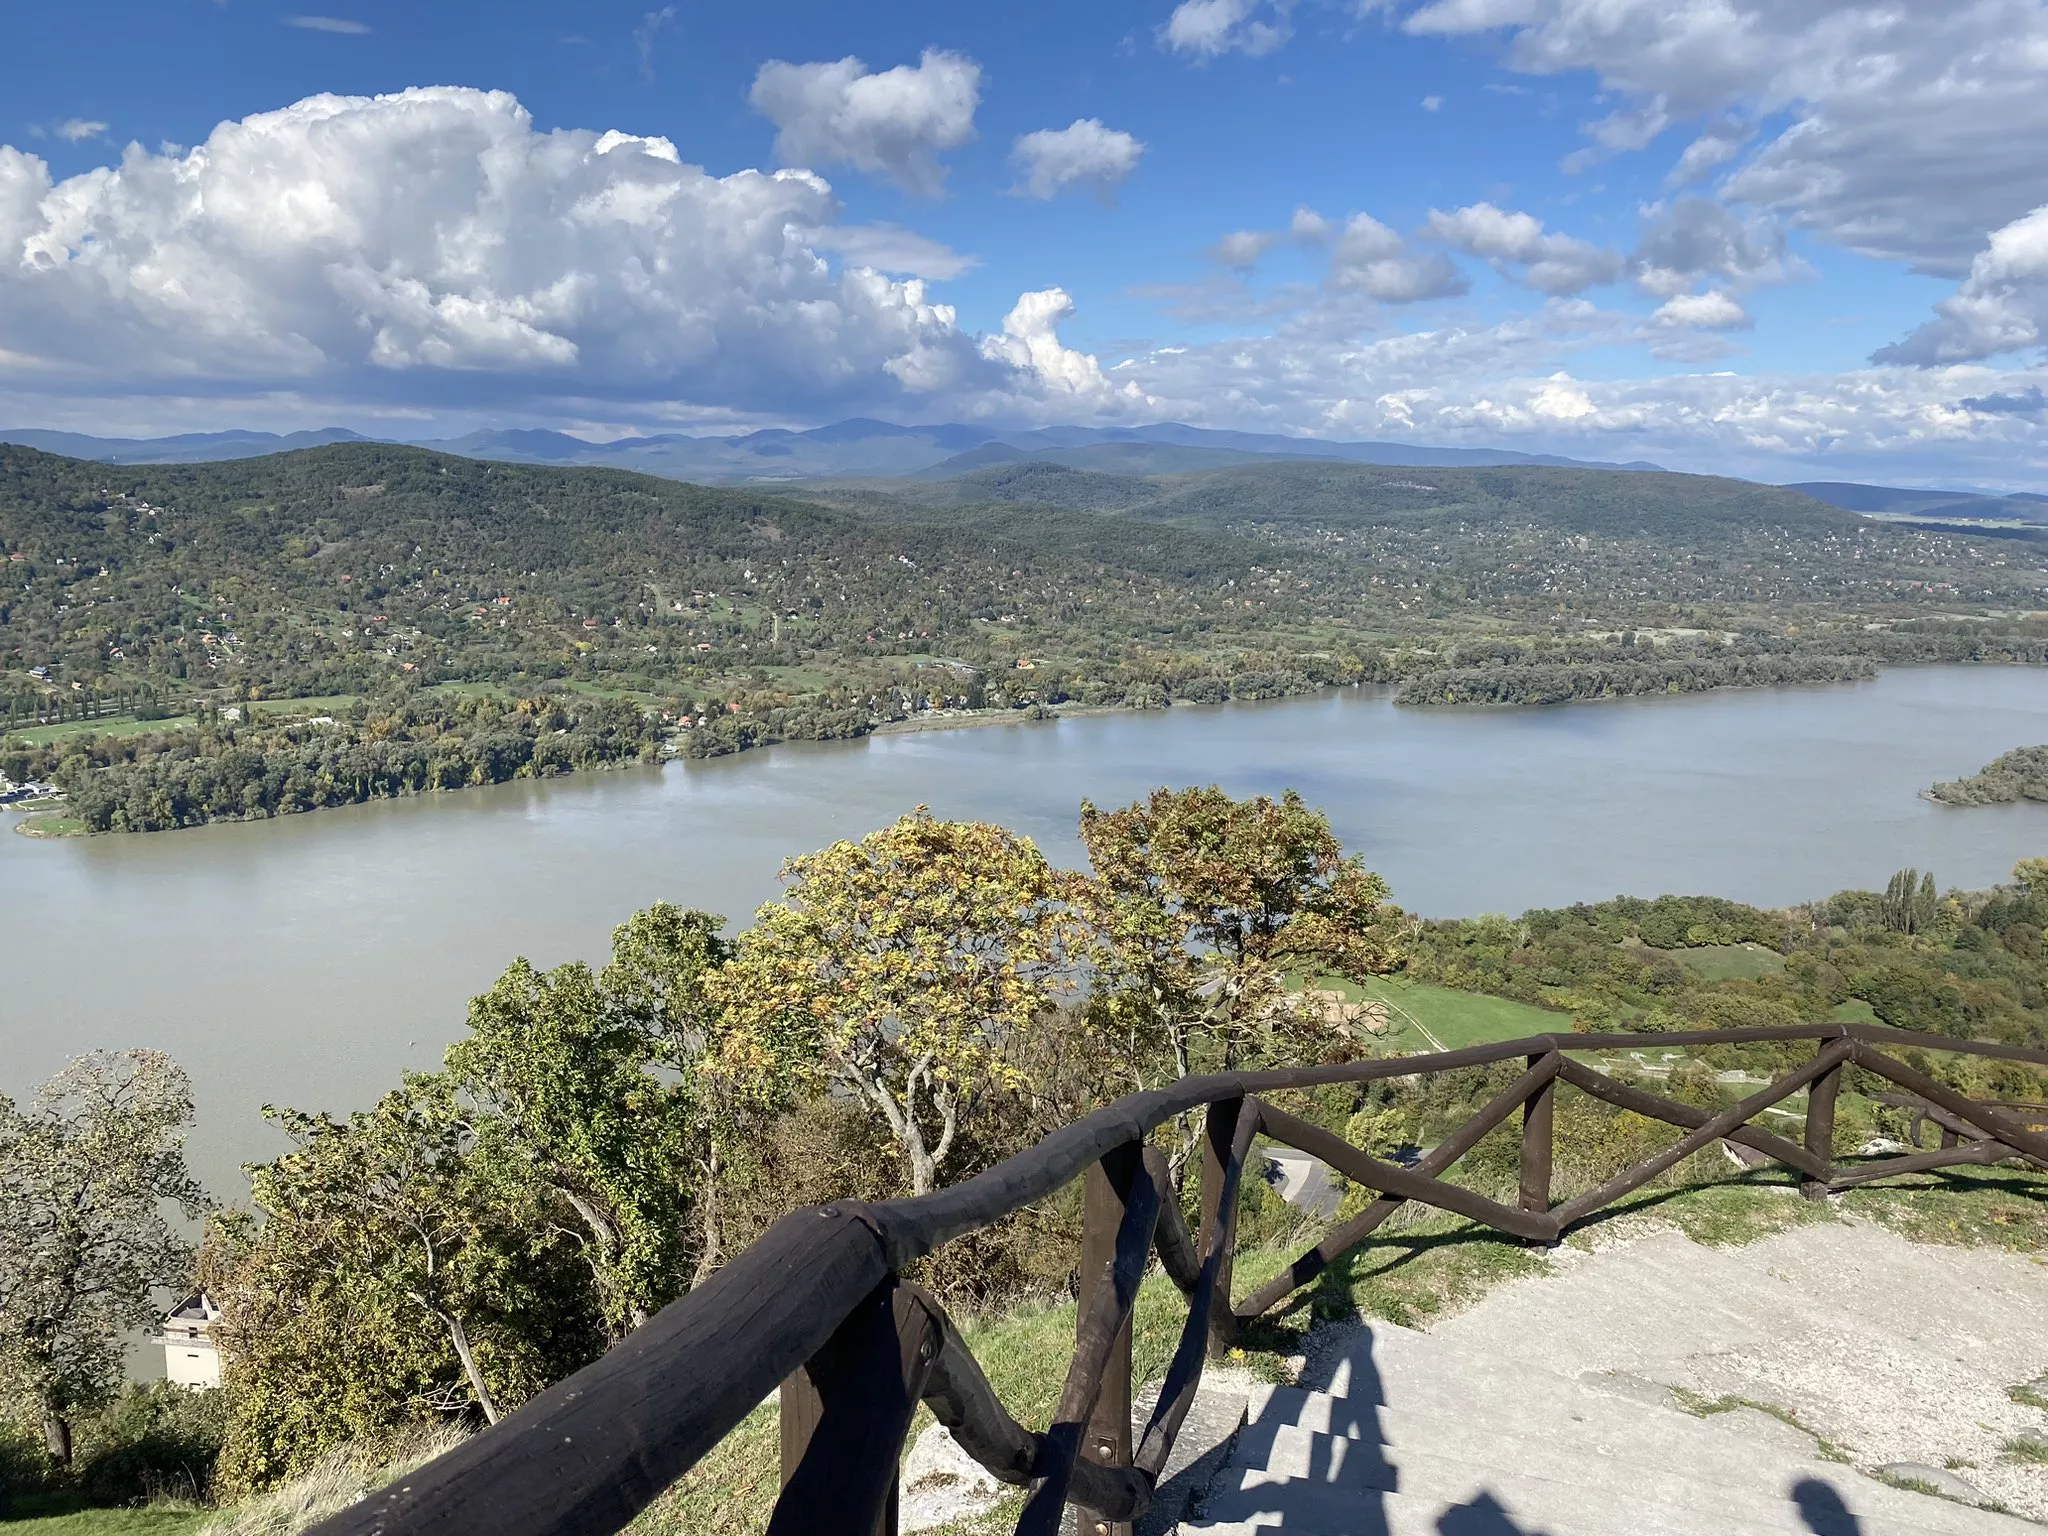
[(308, 961)]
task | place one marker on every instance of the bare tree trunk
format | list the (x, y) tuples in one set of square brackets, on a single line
[(902, 1120), (56, 1434), (712, 1242), (604, 1267), (459, 1337)]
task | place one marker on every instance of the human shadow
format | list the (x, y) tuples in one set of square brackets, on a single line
[(1821, 1507), (1482, 1517), (1320, 1459)]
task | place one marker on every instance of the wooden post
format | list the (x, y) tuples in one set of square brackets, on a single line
[(1219, 1130), (846, 1413), (1820, 1128), (1539, 1112), (1108, 1436), (801, 1409)]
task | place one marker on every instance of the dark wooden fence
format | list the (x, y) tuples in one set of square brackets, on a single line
[(819, 1307)]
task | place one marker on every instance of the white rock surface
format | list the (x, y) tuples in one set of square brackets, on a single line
[(942, 1483), (1549, 1408)]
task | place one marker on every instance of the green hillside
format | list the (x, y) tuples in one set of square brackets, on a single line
[(423, 596)]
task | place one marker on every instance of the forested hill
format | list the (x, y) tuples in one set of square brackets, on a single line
[(334, 567), (419, 599), (1327, 494), (273, 567)]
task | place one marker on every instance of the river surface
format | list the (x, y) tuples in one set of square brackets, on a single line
[(310, 960)]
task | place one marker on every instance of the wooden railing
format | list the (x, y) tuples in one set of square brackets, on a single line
[(819, 1306)]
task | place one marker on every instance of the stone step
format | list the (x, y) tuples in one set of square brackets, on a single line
[(1485, 1514), (1321, 1482), (1389, 1364), (1807, 1321), (1592, 1316), (1625, 1441), (1951, 1304)]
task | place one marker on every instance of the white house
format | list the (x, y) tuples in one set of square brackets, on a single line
[(191, 1357)]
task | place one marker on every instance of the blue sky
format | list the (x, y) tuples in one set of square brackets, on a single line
[(1785, 238)]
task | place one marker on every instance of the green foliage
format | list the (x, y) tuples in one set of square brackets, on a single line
[(395, 1278), (894, 972), (1910, 904), (150, 1442), (2021, 774), (413, 745), (1202, 907), (561, 1078), (1627, 679), (86, 1172)]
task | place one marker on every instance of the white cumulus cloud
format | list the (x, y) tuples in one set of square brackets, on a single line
[(891, 248), (507, 266), (2001, 306), (1083, 154), (1207, 28), (1241, 249), (895, 123), (76, 130), (1710, 311), (1512, 384), (1692, 238), (1549, 263), (1030, 345), (1371, 259)]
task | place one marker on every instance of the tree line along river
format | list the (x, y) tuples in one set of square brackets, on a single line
[(310, 960)]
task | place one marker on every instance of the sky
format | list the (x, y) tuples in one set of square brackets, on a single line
[(1785, 239)]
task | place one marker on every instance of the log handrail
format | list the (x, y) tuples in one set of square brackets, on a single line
[(821, 1291)]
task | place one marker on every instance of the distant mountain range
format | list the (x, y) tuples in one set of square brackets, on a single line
[(188, 448), (1933, 506), (862, 449), (848, 449)]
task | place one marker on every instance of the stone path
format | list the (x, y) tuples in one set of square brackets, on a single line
[(1549, 1410)]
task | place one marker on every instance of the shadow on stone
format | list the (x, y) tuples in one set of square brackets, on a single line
[(1823, 1510), (1482, 1517)]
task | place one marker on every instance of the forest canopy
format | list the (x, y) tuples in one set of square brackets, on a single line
[(199, 621)]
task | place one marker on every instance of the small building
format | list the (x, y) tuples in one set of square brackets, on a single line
[(191, 1356)]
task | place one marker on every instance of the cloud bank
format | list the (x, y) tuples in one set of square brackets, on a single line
[(506, 266)]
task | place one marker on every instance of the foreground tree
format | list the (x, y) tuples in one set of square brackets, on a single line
[(1207, 914), (893, 973), (389, 1202), (85, 1175), (561, 1071), (394, 1277)]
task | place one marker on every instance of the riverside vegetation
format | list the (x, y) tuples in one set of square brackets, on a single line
[(2018, 775), (921, 1004), (257, 637)]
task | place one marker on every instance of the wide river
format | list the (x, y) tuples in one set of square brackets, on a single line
[(309, 961)]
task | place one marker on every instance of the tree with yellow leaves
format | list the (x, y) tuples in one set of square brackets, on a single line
[(893, 971), (1207, 913)]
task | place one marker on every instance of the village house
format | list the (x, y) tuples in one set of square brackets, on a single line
[(191, 1357)]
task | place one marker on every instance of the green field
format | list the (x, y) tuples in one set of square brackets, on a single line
[(112, 725), (1456, 1019), (1729, 962), (52, 826), (326, 704), (110, 1522)]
